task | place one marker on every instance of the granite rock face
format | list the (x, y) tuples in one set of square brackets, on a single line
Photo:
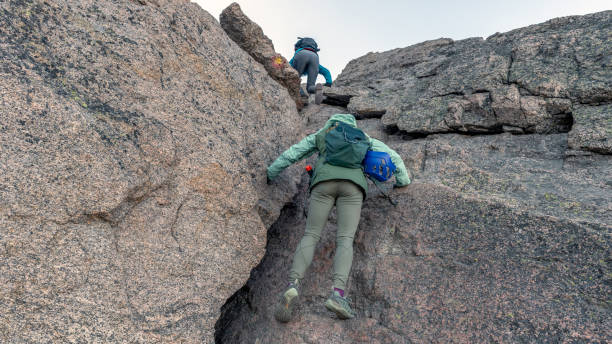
[(134, 137), (592, 128), (505, 234), (529, 80), (500, 238), (250, 37)]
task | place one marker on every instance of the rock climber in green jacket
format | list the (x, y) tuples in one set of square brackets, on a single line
[(330, 184)]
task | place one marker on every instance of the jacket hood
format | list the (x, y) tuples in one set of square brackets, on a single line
[(343, 117)]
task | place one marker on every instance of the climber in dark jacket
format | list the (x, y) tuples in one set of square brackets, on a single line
[(306, 62), (330, 185)]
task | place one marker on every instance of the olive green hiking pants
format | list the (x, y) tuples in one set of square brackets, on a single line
[(348, 199)]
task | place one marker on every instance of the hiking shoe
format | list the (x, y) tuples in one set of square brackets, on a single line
[(318, 94), (340, 306), (286, 303)]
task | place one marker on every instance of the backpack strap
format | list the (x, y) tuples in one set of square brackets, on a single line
[(387, 196)]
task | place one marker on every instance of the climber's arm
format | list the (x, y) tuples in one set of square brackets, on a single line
[(295, 153), (326, 74)]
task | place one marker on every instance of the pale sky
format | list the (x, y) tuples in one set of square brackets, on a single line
[(347, 29)]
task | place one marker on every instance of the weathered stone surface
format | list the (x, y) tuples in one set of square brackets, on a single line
[(134, 138), (592, 129), (159, 3), (500, 238), (251, 38), (133, 145), (527, 80)]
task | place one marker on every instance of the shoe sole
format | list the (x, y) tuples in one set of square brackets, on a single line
[(285, 306), (339, 310), (319, 94)]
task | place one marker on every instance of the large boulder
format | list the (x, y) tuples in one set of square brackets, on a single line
[(505, 234), (250, 37), (134, 138), (529, 80)]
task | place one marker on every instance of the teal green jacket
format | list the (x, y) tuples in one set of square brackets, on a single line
[(324, 171)]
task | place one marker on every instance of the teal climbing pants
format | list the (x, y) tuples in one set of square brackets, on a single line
[(347, 197)]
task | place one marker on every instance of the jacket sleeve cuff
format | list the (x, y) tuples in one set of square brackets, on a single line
[(270, 174), (399, 182)]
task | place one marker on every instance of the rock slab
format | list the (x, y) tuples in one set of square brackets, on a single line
[(250, 37), (500, 238), (530, 80), (134, 137)]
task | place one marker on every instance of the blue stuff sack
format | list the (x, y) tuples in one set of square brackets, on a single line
[(378, 165)]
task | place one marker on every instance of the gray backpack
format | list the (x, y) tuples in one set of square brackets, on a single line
[(306, 42)]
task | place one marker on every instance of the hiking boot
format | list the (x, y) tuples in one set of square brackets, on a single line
[(286, 303), (318, 94), (340, 306)]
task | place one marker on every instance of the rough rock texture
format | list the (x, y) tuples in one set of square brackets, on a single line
[(134, 137), (251, 38), (529, 80), (592, 128), (133, 146), (501, 238)]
